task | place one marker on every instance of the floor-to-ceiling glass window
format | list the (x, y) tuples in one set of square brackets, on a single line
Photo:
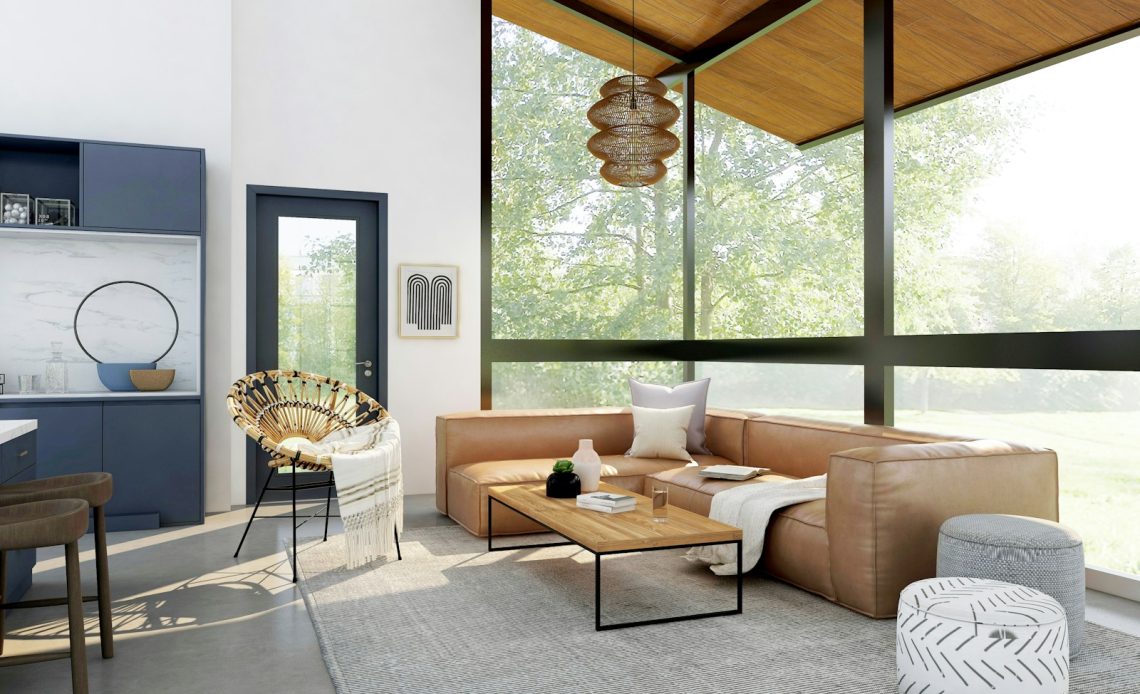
[(1015, 212), (779, 234)]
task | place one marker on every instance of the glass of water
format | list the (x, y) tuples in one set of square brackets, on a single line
[(660, 504)]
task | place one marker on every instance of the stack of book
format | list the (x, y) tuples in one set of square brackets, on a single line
[(732, 472), (606, 502)]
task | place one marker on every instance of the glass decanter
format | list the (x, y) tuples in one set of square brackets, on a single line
[(55, 370)]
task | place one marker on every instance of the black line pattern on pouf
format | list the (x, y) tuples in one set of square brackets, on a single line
[(1024, 635), (429, 302)]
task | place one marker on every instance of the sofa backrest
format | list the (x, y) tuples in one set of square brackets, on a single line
[(724, 434), (474, 437), (802, 447)]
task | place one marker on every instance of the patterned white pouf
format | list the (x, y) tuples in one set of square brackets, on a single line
[(958, 635)]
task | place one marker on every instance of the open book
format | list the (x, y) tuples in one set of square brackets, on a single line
[(732, 472)]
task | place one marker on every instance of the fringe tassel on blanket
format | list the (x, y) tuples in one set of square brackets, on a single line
[(372, 534)]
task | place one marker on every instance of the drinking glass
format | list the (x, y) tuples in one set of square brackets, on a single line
[(29, 383), (660, 504)]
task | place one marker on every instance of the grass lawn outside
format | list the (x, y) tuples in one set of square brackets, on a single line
[(1099, 467)]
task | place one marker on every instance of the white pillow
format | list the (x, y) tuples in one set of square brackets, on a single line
[(661, 433)]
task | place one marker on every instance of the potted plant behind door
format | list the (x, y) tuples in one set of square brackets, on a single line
[(563, 483)]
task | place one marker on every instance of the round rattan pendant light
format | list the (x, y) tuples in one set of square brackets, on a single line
[(633, 118)]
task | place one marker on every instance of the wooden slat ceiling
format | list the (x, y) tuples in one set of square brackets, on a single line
[(803, 79)]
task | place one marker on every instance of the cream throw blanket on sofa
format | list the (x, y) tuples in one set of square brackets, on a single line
[(369, 487), (750, 508)]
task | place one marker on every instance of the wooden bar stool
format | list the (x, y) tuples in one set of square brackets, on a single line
[(95, 488), (46, 524)]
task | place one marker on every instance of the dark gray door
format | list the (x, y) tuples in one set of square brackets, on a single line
[(319, 294)]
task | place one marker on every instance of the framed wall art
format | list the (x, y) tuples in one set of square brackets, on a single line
[(428, 301)]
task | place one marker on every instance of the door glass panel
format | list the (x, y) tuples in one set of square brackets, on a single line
[(316, 296)]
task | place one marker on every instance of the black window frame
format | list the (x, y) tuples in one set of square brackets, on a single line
[(878, 350)]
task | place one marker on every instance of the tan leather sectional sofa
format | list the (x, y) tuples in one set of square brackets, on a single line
[(888, 490)]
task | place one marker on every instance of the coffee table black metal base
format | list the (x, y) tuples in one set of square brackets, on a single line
[(598, 626)]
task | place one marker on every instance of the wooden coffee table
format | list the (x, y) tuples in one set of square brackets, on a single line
[(619, 533)]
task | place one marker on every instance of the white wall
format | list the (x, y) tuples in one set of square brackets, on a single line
[(370, 95), (146, 71), (379, 97)]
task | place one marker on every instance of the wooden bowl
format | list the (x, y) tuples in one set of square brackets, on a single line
[(152, 379)]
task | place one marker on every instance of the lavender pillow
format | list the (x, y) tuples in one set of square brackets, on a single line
[(693, 393)]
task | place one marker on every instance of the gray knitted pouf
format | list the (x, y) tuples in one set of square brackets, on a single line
[(1033, 552)]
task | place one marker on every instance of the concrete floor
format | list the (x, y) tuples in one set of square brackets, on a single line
[(190, 618)]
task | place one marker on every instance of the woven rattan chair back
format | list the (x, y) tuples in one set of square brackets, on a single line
[(272, 407)]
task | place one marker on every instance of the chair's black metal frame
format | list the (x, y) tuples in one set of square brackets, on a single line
[(330, 483), (598, 626)]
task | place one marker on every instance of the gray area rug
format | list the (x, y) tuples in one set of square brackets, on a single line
[(452, 618)]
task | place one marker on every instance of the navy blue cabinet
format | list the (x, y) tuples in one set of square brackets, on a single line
[(143, 188), (150, 442), (70, 436), (153, 450), (18, 465)]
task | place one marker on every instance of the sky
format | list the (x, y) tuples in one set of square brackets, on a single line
[(1075, 180)]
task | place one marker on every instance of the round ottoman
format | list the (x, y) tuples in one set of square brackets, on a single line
[(965, 635), (1033, 552)]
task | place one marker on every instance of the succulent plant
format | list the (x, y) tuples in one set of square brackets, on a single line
[(563, 466)]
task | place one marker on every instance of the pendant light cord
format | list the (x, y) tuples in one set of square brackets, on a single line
[(633, 55)]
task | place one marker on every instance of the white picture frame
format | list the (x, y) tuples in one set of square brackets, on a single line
[(427, 301)]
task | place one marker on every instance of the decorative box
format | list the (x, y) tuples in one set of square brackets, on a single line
[(15, 208), (55, 212)]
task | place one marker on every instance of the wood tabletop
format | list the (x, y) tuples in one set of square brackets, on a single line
[(604, 532)]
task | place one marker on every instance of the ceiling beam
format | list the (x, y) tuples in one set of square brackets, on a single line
[(624, 28), (735, 36)]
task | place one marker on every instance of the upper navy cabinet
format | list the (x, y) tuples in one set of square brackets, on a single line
[(141, 188)]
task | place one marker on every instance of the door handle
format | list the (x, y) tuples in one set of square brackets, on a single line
[(367, 363)]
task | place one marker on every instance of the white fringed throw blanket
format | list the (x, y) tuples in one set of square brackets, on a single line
[(369, 487), (750, 508)]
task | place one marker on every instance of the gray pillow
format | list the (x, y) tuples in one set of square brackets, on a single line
[(693, 393)]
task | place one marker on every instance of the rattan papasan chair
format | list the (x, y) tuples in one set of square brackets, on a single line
[(276, 408)]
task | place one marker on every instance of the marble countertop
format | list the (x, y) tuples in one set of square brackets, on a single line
[(14, 428)]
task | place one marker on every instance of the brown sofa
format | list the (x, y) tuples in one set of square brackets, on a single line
[(888, 490)]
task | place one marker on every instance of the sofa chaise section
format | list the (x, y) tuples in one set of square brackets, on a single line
[(862, 554)]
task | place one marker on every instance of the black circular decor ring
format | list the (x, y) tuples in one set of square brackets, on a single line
[(75, 321)]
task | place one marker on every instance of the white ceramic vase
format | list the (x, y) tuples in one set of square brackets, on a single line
[(587, 465)]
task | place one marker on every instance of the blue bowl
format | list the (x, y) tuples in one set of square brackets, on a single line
[(117, 377)]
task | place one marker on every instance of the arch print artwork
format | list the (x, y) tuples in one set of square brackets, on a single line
[(428, 300)]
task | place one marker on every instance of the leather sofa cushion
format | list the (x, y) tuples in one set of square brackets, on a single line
[(537, 469), (796, 549), (690, 491)]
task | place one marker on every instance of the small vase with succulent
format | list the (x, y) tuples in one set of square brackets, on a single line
[(563, 483)]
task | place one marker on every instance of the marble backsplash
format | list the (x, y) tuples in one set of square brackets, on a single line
[(44, 277)]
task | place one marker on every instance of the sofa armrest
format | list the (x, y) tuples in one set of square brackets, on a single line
[(885, 506), (475, 437)]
